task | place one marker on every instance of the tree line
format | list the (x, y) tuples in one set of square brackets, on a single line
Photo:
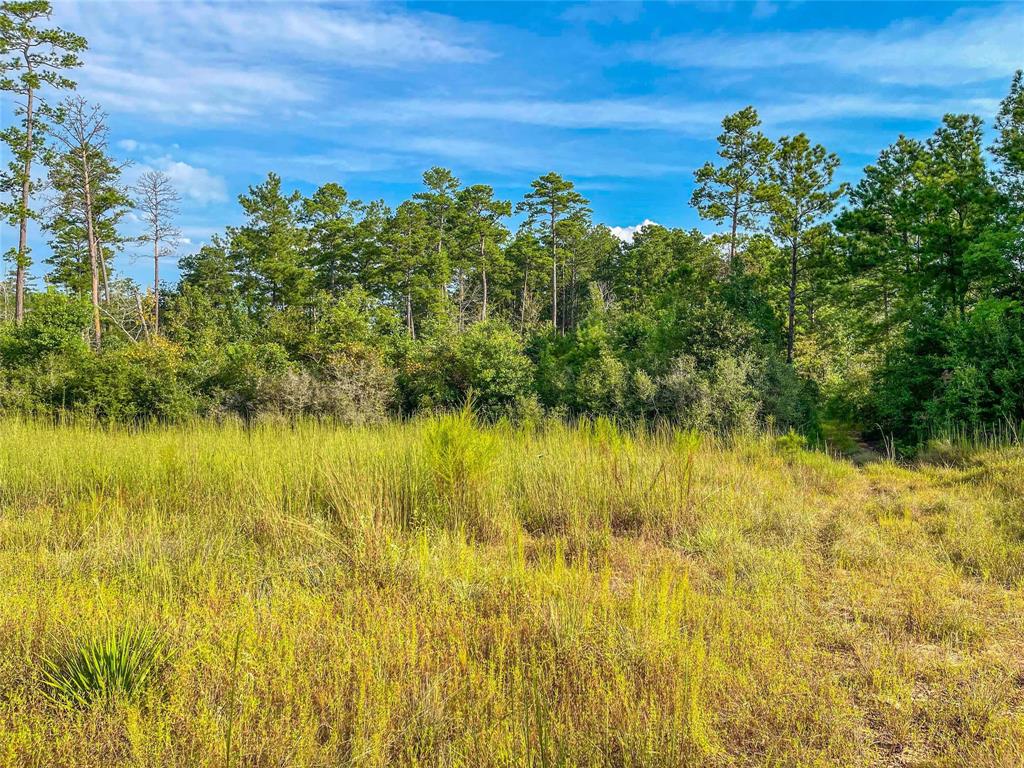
[(896, 305)]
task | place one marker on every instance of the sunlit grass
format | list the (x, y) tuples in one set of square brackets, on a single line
[(439, 593)]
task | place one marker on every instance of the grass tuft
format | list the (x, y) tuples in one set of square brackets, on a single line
[(111, 665)]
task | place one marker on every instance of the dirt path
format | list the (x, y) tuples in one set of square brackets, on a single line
[(864, 453)]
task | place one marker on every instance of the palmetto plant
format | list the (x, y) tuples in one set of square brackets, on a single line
[(114, 663)]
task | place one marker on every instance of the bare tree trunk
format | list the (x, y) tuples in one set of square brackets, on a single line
[(522, 306), (93, 255), (19, 279), (791, 340), (574, 294), (410, 326), (103, 270), (483, 275), (142, 315), (562, 300), (554, 273), (156, 287), (735, 224), (443, 288), (462, 300)]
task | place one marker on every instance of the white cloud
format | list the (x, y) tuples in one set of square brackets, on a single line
[(625, 234), (597, 113), (196, 184), (193, 184), (969, 46)]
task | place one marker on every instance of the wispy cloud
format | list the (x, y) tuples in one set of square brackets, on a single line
[(610, 13), (594, 113), (218, 62), (518, 157), (698, 118), (969, 46)]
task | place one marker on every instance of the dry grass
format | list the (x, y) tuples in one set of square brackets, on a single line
[(441, 594)]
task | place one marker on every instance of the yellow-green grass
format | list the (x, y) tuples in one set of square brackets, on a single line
[(440, 593)]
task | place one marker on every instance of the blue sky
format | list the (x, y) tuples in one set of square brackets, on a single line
[(623, 98)]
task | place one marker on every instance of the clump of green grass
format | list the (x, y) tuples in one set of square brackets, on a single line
[(456, 456), (791, 443), (117, 663)]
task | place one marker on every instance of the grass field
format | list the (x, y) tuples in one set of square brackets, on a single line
[(437, 593)]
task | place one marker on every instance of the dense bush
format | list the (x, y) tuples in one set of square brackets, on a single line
[(486, 364), (960, 373), (346, 389), (136, 382)]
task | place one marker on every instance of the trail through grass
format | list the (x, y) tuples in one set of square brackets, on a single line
[(438, 593)]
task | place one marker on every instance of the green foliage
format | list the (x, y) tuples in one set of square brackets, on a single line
[(554, 211), (456, 458), (733, 193), (269, 249), (486, 363), (136, 382), (115, 664), (719, 399), (53, 327), (791, 443), (31, 58), (903, 319), (934, 253)]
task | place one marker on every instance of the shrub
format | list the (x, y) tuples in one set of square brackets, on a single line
[(354, 390), (790, 443), (135, 382), (487, 360), (601, 384), (56, 325), (456, 459), (240, 372), (720, 399)]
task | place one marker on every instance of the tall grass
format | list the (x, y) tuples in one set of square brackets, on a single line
[(445, 593)]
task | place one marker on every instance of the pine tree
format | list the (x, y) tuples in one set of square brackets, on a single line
[(731, 192), (270, 248), (329, 217), (481, 234), (798, 196), (1009, 145), (157, 201), (38, 56), (552, 203), (87, 182), (439, 206), (956, 204), (411, 263), (879, 238)]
